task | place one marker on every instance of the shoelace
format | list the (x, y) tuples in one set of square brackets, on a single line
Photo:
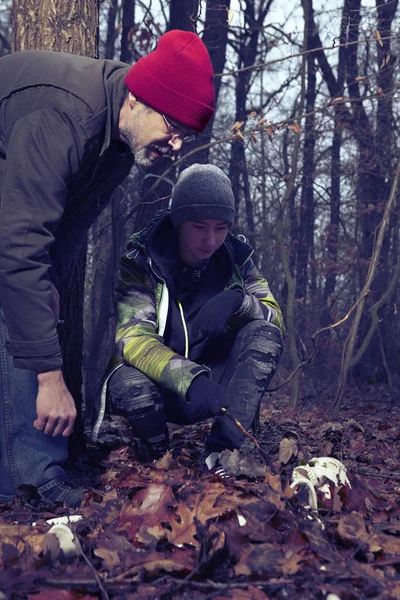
[(220, 472), (214, 467)]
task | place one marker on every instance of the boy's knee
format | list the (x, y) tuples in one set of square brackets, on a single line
[(263, 337), (130, 391)]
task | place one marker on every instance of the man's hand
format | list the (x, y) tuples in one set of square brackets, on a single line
[(215, 314), (56, 412)]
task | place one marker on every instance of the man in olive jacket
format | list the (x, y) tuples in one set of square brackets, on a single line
[(70, 129)]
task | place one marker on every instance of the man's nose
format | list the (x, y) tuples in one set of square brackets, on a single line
[(176, 143)]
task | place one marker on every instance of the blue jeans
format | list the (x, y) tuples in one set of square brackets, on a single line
[(27, 456)]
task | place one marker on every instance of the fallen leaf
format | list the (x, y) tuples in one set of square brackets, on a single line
[(110, 558), (52, 595), (287, 449)]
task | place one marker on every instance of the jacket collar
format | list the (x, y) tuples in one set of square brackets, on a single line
[(159, 241), (114, 83)]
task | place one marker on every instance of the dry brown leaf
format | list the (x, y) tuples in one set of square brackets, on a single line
[(251, 593), (15, 539), (155, 564), (166, 463), (207, 506), (292, 562), (287, 449), (52, 595), (378, 37), (352, 527), (269, 131), (110, 558), (295, 127), (236, 126), (259, 560), (274, 493)]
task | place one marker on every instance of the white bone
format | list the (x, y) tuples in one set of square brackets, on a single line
[(316, 474), (60, 541)]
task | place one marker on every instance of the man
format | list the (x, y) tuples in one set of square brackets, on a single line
[(70, 130), (198, 328)]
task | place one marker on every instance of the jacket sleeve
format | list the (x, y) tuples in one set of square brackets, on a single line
[(138, 342), (258, 301), (33, 190)]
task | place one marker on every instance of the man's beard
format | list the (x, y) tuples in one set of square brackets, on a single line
[(144, 156)]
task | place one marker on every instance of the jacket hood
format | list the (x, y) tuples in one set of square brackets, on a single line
[(160, 242)]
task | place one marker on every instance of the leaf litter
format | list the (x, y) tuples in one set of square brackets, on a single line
[(170, 530)]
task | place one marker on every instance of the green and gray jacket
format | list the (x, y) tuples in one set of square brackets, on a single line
[(155, 313)]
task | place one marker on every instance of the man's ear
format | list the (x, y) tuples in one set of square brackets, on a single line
[(132, 100)]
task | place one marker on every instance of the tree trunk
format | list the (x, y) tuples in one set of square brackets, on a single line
[(111, 32), (64, 26), (128, 24), (181, 16), (215, 37), (375, 145), (247, 53), (306, 220), (58, 25)]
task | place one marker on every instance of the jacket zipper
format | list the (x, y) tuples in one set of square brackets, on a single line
[(185, 331)]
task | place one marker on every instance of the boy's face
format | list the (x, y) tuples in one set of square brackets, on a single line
[(198, 240)]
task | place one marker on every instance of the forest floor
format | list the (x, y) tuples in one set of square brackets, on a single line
[(170, 531)]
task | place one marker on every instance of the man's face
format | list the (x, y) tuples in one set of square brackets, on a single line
[(145, 131), (198, 240)]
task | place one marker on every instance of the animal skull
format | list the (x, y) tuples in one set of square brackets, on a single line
[(317, 475)]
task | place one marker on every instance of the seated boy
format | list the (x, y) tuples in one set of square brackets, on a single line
[(198, 328)]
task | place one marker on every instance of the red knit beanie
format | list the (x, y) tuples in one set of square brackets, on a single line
[(176, 79)]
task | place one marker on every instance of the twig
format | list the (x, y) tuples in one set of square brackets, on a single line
[(297, 55), (309, 360), (103, 591), (343, 319), (305, 363), (253, 439)]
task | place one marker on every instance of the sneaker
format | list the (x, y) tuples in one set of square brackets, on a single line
[(153, 448), (214, 467), (65, 493)]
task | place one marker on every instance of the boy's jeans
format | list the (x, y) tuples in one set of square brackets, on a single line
[(246, 365), (27, 456)]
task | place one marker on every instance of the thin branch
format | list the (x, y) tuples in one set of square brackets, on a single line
[(253, 439), (299, 54), (309, 360)]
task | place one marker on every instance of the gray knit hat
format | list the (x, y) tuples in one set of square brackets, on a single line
[(202, 192)]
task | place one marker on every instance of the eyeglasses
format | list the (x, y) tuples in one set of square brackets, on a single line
[(176, 131)]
